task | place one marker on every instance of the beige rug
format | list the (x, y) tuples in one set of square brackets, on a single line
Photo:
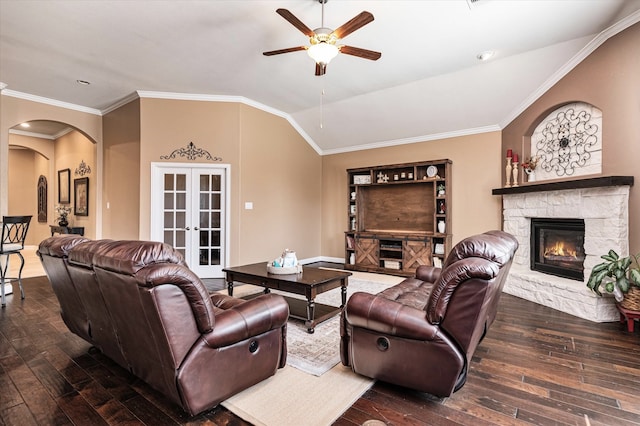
[(295, 398), (317, 353)]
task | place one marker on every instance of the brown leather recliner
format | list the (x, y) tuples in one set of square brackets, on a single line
[(422, 332), (139, 303)]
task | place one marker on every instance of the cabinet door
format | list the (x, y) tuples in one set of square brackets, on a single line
[(416, 253), (366, 252)]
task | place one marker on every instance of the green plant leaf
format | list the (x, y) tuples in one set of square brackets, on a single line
[(609, 287), (635, 276), (623, 284), (613, 254), (599, 267), (619, 273)]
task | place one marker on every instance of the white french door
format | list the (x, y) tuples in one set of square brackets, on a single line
[(189, 210)]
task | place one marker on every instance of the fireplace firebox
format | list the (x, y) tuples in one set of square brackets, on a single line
[(557, 247)]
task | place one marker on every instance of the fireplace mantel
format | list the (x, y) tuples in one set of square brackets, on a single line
[(567, 184)]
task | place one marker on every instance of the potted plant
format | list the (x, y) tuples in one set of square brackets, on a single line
[(620, 276)]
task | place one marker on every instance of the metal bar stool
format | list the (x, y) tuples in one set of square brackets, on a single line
[(14, 232)]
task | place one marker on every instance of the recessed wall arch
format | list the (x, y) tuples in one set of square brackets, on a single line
[(566, 140)]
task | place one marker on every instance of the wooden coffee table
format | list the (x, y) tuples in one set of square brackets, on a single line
[(309, 283)]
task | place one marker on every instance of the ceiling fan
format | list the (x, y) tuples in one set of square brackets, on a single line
[(324, 40)]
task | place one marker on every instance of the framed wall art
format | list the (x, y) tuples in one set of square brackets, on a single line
[(64, 186), (81, 196)]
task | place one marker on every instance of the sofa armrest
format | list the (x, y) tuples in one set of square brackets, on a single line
[(427, 273), (383, 315), (252, 318)]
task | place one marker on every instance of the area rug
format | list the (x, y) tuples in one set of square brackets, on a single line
[(317, 353), (293, 397)]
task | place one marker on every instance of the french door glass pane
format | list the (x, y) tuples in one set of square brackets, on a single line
[(216, 183), (204, 183), (181, 182), (215, 201), (215, 219), (168, 182)]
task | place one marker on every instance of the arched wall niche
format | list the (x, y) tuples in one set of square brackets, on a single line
[(565, 141)]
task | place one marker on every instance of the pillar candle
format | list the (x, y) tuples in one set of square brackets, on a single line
[(515, 158), (509, 153)]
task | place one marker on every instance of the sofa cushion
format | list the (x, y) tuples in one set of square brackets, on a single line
[(410, 292)]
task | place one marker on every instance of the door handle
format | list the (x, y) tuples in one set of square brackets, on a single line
[(196, 228), (187, 228)]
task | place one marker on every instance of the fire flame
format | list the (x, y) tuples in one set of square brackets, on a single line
[(559, 249)]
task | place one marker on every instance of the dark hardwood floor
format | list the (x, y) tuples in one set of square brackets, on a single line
[(535, 366)]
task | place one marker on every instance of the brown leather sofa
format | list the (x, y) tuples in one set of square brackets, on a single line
[(422, 332), (139, 303)]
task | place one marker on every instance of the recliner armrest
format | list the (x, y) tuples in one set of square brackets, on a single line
[(252, 318), (428, 273), (383, 315)]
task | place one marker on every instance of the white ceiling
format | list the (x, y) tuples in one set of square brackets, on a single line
[(428, 83)]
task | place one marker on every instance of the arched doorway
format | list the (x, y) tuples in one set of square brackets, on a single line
[(55, 151)]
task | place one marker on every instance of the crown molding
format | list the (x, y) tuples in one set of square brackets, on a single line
[(416, 139), (31, 134), (597, 41), (121, 102), (233, 99), (52, 102), (42, 135)]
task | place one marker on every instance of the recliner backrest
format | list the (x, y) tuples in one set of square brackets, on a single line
[(53, 253), (158, 307), (464, 299)]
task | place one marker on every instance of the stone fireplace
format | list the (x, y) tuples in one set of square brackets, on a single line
[(602, 204)]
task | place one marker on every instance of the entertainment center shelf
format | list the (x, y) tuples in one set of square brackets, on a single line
[(399, 217)]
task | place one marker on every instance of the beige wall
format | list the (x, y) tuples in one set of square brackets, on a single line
[(475, 172), (281, 175), (121, 177), (35, 158), (609, 79), (271, 166), (70, 150)]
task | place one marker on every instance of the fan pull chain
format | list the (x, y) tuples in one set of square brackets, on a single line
[(322, 109)]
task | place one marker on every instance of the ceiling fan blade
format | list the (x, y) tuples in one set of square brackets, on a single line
[(321, 69), (358, 22), (295, 22), (361, 53), (278, 52)]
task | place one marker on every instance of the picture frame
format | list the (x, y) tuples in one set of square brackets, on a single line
[(64, 186), (81, 196)]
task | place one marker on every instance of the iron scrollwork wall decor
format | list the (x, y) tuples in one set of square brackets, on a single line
[(191, 153), (569, 138), (83, 169), (569, 142)]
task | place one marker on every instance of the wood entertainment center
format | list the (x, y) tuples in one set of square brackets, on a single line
[(399, 217)]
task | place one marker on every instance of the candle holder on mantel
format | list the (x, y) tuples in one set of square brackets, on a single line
[(508, 170), (515, 174)]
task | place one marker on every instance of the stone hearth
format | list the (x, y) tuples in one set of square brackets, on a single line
[(603, 203)]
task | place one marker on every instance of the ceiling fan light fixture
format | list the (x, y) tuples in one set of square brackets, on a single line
[(323, 52)]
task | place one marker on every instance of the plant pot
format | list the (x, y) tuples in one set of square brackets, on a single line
[(63, 222), (631, 300)]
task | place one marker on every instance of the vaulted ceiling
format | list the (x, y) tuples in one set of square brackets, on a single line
[(428, 83)]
